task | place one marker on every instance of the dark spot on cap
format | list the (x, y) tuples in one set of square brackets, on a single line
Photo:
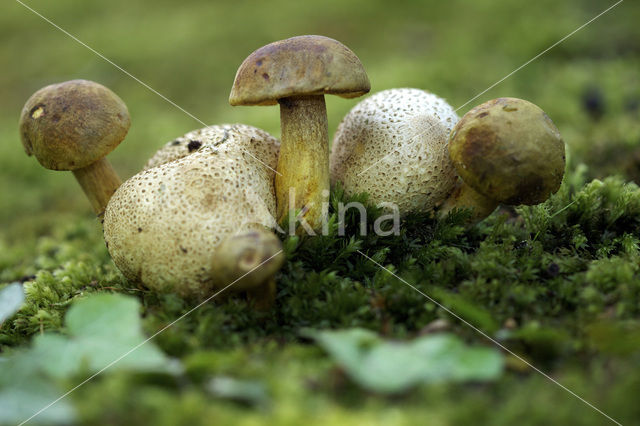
[(482, 114), (479, 141), (55, 118), (194, 145), (259, 62), (509, 108), (139, 229), (176, 142), (265, 76), (249, 256), (184, 250), (529, 190)]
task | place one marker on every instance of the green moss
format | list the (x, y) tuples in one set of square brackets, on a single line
[(538, 278), (557, 283)]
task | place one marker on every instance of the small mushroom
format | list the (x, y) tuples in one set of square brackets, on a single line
[(73, 126), (393, 146), (195, 220), (297, 73), (506, 151)]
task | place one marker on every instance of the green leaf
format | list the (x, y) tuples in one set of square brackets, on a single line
[(105, 315), (18, 404), (24, 392), (249, 392), (103, 331), (392, 367), (11, 299), (476, 315)]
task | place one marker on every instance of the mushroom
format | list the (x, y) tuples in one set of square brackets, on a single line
[(195, 219), (393, 146), (73, 126), (507, 151), (297, 73)]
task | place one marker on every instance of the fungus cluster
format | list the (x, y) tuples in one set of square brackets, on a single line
[(197, 218), (406, 147)]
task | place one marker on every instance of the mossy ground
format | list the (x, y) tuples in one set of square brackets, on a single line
[(557, 283)]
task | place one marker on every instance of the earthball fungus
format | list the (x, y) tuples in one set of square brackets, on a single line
[(196, 218), (393, 146), (73, 126), (506, 151), (296, 73)]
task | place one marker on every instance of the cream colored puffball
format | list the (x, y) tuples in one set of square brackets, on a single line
[(393, 146), (163, 225)]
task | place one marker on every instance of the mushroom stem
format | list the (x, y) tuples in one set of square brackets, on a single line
[(303, 163), (263, 297), (98, 181), (465, 197)]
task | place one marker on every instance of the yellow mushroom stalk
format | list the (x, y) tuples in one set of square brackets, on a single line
[(296, 73), (73, 126)]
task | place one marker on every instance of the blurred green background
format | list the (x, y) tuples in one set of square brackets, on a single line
[(189, 51)]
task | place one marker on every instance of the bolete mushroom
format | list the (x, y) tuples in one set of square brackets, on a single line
[(393, 146), (73, 126), (506, 151), (297, 73), (196, 218)]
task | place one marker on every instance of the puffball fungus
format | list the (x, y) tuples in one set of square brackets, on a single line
[(202, 192), (393, 146), (507, 151)]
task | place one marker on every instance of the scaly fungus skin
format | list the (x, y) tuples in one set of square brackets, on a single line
[(164, 225), (393, 146), (509, 150), (296, 73)]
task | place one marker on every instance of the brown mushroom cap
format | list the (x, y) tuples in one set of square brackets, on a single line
[(162, 226), (73, 124), (304, 65), (393, 146), (509, 150)]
